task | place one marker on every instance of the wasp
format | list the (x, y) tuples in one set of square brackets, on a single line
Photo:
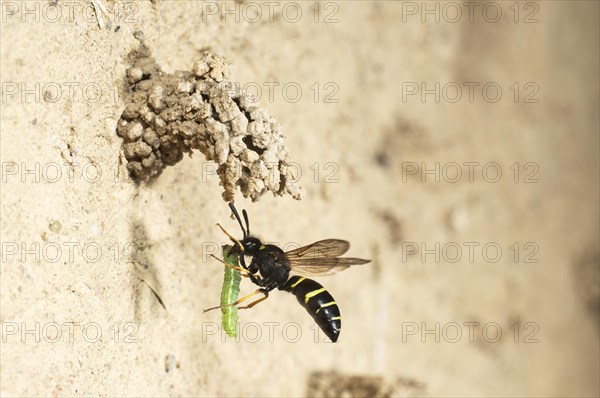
[(270, 267)]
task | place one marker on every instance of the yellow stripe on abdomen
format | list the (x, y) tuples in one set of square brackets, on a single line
[(326, 305), (312, 294), (297, 282)]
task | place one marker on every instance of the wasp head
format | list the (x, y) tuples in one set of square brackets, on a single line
[(250, 245)]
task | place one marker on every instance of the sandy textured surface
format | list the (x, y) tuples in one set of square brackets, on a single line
[(83, 245)]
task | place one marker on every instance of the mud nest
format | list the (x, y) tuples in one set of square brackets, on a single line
[(167, 115)]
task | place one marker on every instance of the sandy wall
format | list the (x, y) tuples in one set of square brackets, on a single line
[(481, 284)]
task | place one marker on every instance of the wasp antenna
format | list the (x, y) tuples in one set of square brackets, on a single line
[(247, 222), (239, 220), (231, 237)]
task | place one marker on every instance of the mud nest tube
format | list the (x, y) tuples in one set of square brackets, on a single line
[(167, 115)]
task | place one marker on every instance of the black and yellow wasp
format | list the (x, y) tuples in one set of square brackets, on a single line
[(270, 268)]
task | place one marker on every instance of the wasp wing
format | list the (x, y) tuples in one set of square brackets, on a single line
[(328, 266), (322, 248), (322, 257)]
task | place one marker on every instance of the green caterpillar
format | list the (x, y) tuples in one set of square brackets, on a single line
[(229, 293)]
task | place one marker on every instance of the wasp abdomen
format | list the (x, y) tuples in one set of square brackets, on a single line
[(318, 302)]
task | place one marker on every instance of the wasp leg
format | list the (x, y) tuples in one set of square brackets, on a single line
[(243, 271), (261, 290), (211, 308), (255, 280), (242, 261), (231, 237), (266, 293), (252, 270)]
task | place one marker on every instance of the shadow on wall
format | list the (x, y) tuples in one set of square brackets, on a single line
[(144, 274), (333, 384), (586, 274)]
